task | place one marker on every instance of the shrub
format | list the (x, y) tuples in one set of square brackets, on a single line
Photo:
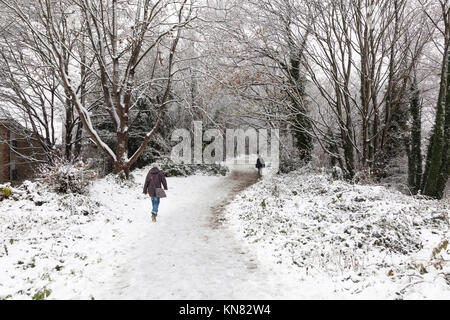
[(5, 192), (289, 163), (65, 177), (121, 180), (172, 169), (337, 173)]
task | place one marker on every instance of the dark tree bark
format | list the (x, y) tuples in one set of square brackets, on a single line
[(414, 143)]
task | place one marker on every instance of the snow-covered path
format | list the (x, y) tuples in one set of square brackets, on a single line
[(184, 255)]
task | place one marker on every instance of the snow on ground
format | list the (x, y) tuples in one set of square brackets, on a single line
[(106, 247), (56, 245), (184, 256), (288, 237), (355, 241)]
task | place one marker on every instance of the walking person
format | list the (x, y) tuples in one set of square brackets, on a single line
[(154, 184), (260, 164)]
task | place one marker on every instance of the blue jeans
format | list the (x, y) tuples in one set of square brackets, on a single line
[(260, 172), (155, 204)]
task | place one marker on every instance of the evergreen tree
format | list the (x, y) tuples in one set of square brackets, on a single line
[(142, 117), (414, 142), (436, 172), (445, 162), (396, 134), (302, 123)]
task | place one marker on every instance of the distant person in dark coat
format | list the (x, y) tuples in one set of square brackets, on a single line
[(153, 187), (260, 164)]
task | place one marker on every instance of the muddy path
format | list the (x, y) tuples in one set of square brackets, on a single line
[(237, 181)]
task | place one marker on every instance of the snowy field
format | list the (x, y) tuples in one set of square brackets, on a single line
[(358, 242), (299, 236)]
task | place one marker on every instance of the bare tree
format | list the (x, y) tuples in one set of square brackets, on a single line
[(118, 36), (363, 52), (31, 88)]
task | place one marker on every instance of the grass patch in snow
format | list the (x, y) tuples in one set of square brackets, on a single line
[(42, 294)]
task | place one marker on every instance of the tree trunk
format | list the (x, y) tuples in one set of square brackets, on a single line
[(435, 152), (414, 142), (445, 162)]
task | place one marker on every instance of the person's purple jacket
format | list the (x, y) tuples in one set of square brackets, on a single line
[(155, 178)]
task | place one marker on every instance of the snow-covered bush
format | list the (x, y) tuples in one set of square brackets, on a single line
[(337, 173), (121, 180), (288, 163), (211, 169), (307, 222), (65, 177), (172, 169), (77, 204)]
